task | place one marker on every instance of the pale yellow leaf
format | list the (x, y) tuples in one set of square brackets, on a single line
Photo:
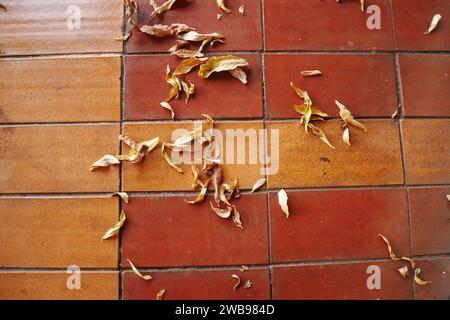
[(122, 195), (221, 5), (242, 10), (258, 184), (222, 63), (239, 74), (169, 160), (283, 201), (243, 268), (346, 115), (318, 132), (346, 137), (223, 213), (116, 228), (236, 217), (167, 106), (434, 23), (311, 73), (238, 281), (105, 161), (161, 30), (418, 280), (137, 272), (160, 295)]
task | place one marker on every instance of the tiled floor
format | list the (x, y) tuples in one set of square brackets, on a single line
[(66, 95)]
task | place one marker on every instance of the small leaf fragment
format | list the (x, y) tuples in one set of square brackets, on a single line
[(222, 63), (404, 272), (248, 284), (388, 244), (160, 295), (418, 280), (189, 90), (169, 159), (221, 5), (161, 30), (448, 197), (205, 38), (243, 268), (201, 195), (137, 151), (394, 114), (434, 23), (258, 184), (239, 74), (137, 272), (167, 106), (219, 16), (164, 7), (238, 281), (346, 137), (236, 217), (105, 161), (242, 10), (223, 213), (282, 200), (123, 196), (311, 73), (362, 5), (185, 53), (318, 132), (346, 115), (116, 228), (174, 82)]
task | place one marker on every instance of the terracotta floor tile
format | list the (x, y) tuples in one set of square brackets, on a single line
[(366, 82), (53, 286), (427, 150), (430, 96), (339, 281), (339, 225), (219, 96), (57, 158), (154, 174), (373, 159), (41, 27), (198, 285), (166, 231), (413, 17), (438, 272), (241, 33), (330, 26), (430, 220), (58, 231), (60, 90)]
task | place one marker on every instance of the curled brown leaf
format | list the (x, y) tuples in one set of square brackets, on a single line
[(239, 74), (318, 132), (221, 5), (418, 280), (137, 272), (347, 116), (167, 106), (116, 228), (258, 184), (160, 295), (248, 284), (235, 276), (162, 30), (123, 196), (222, 63), (223, 213)]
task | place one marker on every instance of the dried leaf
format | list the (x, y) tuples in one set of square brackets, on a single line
[(185, 53), (169, 160), (318, 132), (188, 89), (236, 217), (302, 109), (242, 10), (419, 281), (346, 137), (137, 151), (221, 5), (164, 7), (173, 81), (243, 268), (136, 272), (105, 161), (116, 228), (218, 64), (187, 65), (239, 74), (122, 195), (202, 194), (346, 115), (195, 36), (223, 213), (219, 16), (282, 200), (160, 294), (394, 114), (248, 284), (162, 30), (311, 73), (167, 106), (216, 180), (362, 5), (258, 184), (238, 281), (307, 110), (391, 252), (124, 38), (448, 197), (434, 23), (131, 11), (404, 272), (411, 261)]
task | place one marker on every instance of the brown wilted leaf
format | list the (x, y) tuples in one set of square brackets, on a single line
[(202, 193), (169, 159), (346, 137), (239, 74), (448, 197), (205, 38), (346, 115), (282, 200), (105, 161), (243, 268), (174, 83), (219, 16), (411, 261), (222, 63), (404, 272), (242, 10), (221, 5), (189, 90), (311, 73), (162, 30), (137, 151), (164, 7), (434, 23), (391, 252), (167, 106), (187, 65), (160, 295), (223, 213), (236, 217), (419, 281), (216, 181), (131, 11), (258, 184), (185, 53), (318, 132), (307, 110), (248, 284), (122, 195), (136, 271), (238, 281), (116, 228), (302, 109)]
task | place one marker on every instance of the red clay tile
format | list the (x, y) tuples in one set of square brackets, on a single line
[(165, 231), (430, 220), (339, 225), (53, 286), (220, 96), (325, 25), (41, 27), (197, 285), (437, 271), (413, 17), (365, 82), (56, 158), (58, 231), (339, 281), (60, 89), (427, 150), (425, 83), (241, 33)]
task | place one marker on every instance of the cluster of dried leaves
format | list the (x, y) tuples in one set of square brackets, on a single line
[(404, 271), (247, 285)]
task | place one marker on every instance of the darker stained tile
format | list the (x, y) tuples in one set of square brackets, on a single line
[(413, 17), (426, 85), (165, 231), (365, 83), (197, 285), (241, 33), (339, 281), (438, 272), (430, 219), (339, 225), (220, 95), (325, 25)]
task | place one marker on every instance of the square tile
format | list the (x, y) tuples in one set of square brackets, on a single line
[(437, 271)]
